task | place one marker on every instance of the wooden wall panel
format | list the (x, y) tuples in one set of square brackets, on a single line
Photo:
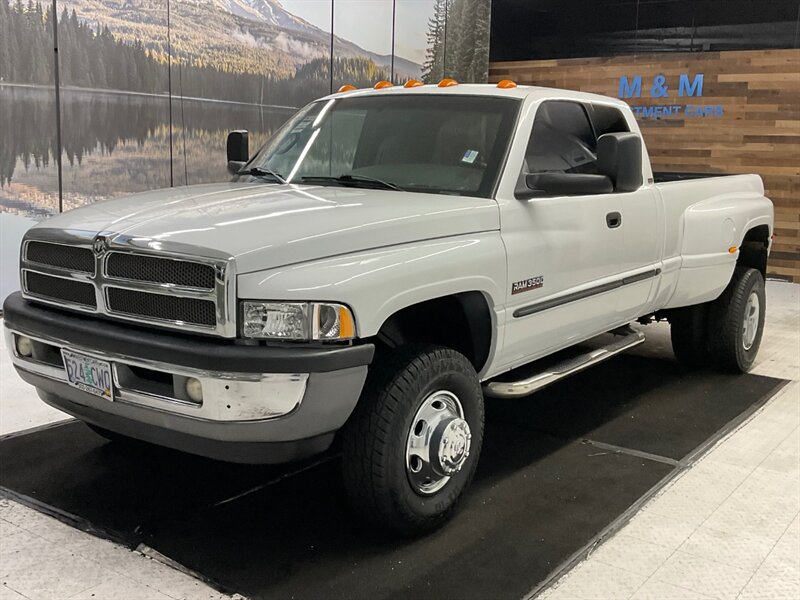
[(758, 133)]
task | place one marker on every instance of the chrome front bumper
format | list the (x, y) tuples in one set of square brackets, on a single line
[(227, 397), (261, 404)]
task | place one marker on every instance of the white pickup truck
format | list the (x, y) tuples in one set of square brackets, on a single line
[(388, 258)]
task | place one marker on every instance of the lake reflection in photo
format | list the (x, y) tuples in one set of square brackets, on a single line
[(113, 143)]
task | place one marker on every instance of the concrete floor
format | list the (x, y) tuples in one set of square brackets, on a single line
[(730, 526), (727, 528)]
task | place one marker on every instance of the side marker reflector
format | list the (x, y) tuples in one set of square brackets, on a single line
[(732, 249)]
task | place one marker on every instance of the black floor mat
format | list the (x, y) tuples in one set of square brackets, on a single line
[(541, 493), (645, 404)]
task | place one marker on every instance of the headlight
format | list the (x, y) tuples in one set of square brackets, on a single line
[(297, 321)]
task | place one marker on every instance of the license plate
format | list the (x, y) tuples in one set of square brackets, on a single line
[(88, 374)]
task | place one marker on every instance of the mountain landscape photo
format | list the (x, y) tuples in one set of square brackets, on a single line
[(150, 88), (242, 36)]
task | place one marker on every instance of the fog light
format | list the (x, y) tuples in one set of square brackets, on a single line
[(24, 346), (194, 389)]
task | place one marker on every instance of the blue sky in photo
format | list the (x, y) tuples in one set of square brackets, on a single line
[(368, 23)]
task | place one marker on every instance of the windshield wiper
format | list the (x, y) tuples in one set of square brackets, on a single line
[(353, 181), (262, 172)]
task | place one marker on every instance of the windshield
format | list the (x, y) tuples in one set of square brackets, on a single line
[(423, 143)]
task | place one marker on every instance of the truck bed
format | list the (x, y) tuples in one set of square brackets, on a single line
[(669, 176)]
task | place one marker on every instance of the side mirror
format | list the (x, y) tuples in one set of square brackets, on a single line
[(563, 184), (619, 156), (238, 149)]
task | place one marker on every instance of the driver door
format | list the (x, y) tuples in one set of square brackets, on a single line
[(563, 251)]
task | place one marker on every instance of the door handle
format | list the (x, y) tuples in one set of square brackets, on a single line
[(613, 220)]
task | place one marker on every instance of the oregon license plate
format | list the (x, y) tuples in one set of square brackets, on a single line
[(88, 374)]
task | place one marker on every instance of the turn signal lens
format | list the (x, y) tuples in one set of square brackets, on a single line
[(383, 84), (24, 346), (506, 84), (411, 83), (347, 88), (732, 249), (332, 322), (448, 83), (347, 327)]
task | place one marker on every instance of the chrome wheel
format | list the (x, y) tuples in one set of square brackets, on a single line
[(438, 442), (750, 324)]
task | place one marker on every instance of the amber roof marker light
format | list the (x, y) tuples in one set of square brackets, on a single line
[(347, 88), (412, 83), (506, 84), (447, 83), (382, 85)]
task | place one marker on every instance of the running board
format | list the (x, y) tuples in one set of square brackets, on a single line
[(517, 389)]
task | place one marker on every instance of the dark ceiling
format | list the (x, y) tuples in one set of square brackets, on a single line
[(541, 29)]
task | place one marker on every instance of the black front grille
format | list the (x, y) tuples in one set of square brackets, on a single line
[(61, 256), (160, 270), (159, 306), (55, 288)]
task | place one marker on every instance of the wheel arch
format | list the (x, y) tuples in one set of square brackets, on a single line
[(463, 321), (754, 249)]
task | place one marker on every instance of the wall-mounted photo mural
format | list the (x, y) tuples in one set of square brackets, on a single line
[(149, 88)]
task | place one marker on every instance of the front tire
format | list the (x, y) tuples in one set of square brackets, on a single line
[(411, 447), (737, 321)]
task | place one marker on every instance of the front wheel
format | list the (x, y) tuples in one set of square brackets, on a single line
[(411, 447)]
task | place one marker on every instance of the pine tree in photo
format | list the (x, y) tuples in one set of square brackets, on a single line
[(433, 67), (479, 69)]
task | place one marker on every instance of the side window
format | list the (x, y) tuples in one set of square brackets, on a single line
[(608, 119), (562, 140)]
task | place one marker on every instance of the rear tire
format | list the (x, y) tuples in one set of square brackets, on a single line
[(737, 320), (419, 417)]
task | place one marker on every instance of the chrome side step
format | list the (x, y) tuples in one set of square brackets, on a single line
[(517, 389)]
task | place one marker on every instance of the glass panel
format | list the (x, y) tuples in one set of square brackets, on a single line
[(253, 80), (466, 49), (28, 171), (114, 100), (425, 143), (306, 41), (362, 47), (607, 119), (412, 22), (562, 140)]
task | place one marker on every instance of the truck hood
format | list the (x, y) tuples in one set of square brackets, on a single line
[(264, 226)]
